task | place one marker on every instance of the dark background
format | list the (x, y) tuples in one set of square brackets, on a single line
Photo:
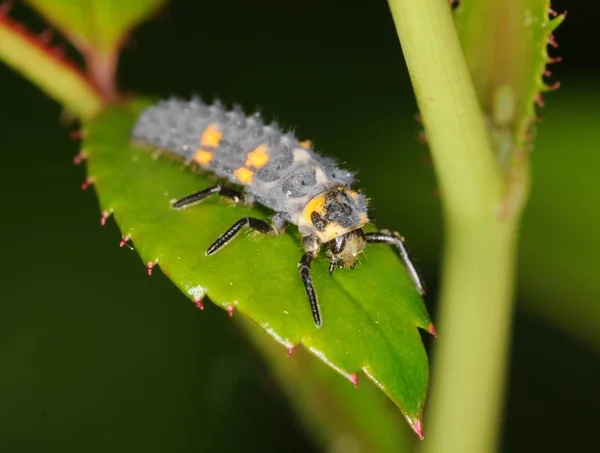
[(95, 356)]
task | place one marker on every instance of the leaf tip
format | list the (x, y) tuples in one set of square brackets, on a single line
[(432, 330), (198, 303), (149, 267), (79, 158), (104, 217), (86, 185), (417, 426), (125, 240)]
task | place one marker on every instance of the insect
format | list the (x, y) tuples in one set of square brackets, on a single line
[(273, 169)]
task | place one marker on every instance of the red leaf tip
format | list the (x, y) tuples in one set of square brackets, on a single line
[(104, 217), (79, 158), (417, 426), (198, 303), (431, 329)]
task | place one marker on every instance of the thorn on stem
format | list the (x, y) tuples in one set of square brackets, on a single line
[(554, 86), (554, 60), (149, 267), (290, 350), (354, 379), (552, 42), (539, 101)]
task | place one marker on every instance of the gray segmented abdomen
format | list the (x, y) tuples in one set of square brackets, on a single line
[(274, 167)]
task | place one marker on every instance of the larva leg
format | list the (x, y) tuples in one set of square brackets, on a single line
[(311, 246), (394, 239), (255, 224), (232, 194)]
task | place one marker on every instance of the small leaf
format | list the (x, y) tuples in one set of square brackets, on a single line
[(96, 24), (370, 314), (505, 45)]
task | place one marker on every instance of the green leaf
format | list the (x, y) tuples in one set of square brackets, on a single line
[(505, 45), (370, 314), (96, 24)]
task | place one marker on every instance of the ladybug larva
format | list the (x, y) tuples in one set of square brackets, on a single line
[(276, 170)]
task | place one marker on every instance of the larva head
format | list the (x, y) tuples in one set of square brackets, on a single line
[(336, 217)]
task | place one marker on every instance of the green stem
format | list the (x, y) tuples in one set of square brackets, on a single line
[(476, 297), (56, 77)]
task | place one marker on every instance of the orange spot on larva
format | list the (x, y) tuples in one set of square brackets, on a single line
[(244, 175), (305, 144), (258, 157), (203, 157), (211, 136)]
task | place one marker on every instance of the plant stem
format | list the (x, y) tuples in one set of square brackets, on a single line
[(476, 297), (46, 69)]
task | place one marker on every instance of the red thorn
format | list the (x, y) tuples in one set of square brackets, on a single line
[(419, 118), (87, 183), (554, 60), (547, 73), (539, 119), (76, 134), (46, 36), (354, 379), (198, 302), (79, 158), (552, 12), (539, 101), (422, 138), (58, 52), (290, 350), (230, 309), (554, 86), (105, 215), (431, 329), (417, 427), (149, 267), (552, 42), (124, 241)]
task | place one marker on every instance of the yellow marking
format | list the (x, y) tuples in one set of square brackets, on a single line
[(211, 136), (258, 158), (305, 144), (202, 156), (244, 175), (332, 230), (317, 204)]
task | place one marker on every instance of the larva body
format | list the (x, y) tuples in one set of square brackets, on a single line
[(275, 170)]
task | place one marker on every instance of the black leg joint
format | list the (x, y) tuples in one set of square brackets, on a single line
[(304, 268), (255, 224), (232, 194)]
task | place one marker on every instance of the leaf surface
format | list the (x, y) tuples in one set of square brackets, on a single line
[(506, 47), (370, 314)]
